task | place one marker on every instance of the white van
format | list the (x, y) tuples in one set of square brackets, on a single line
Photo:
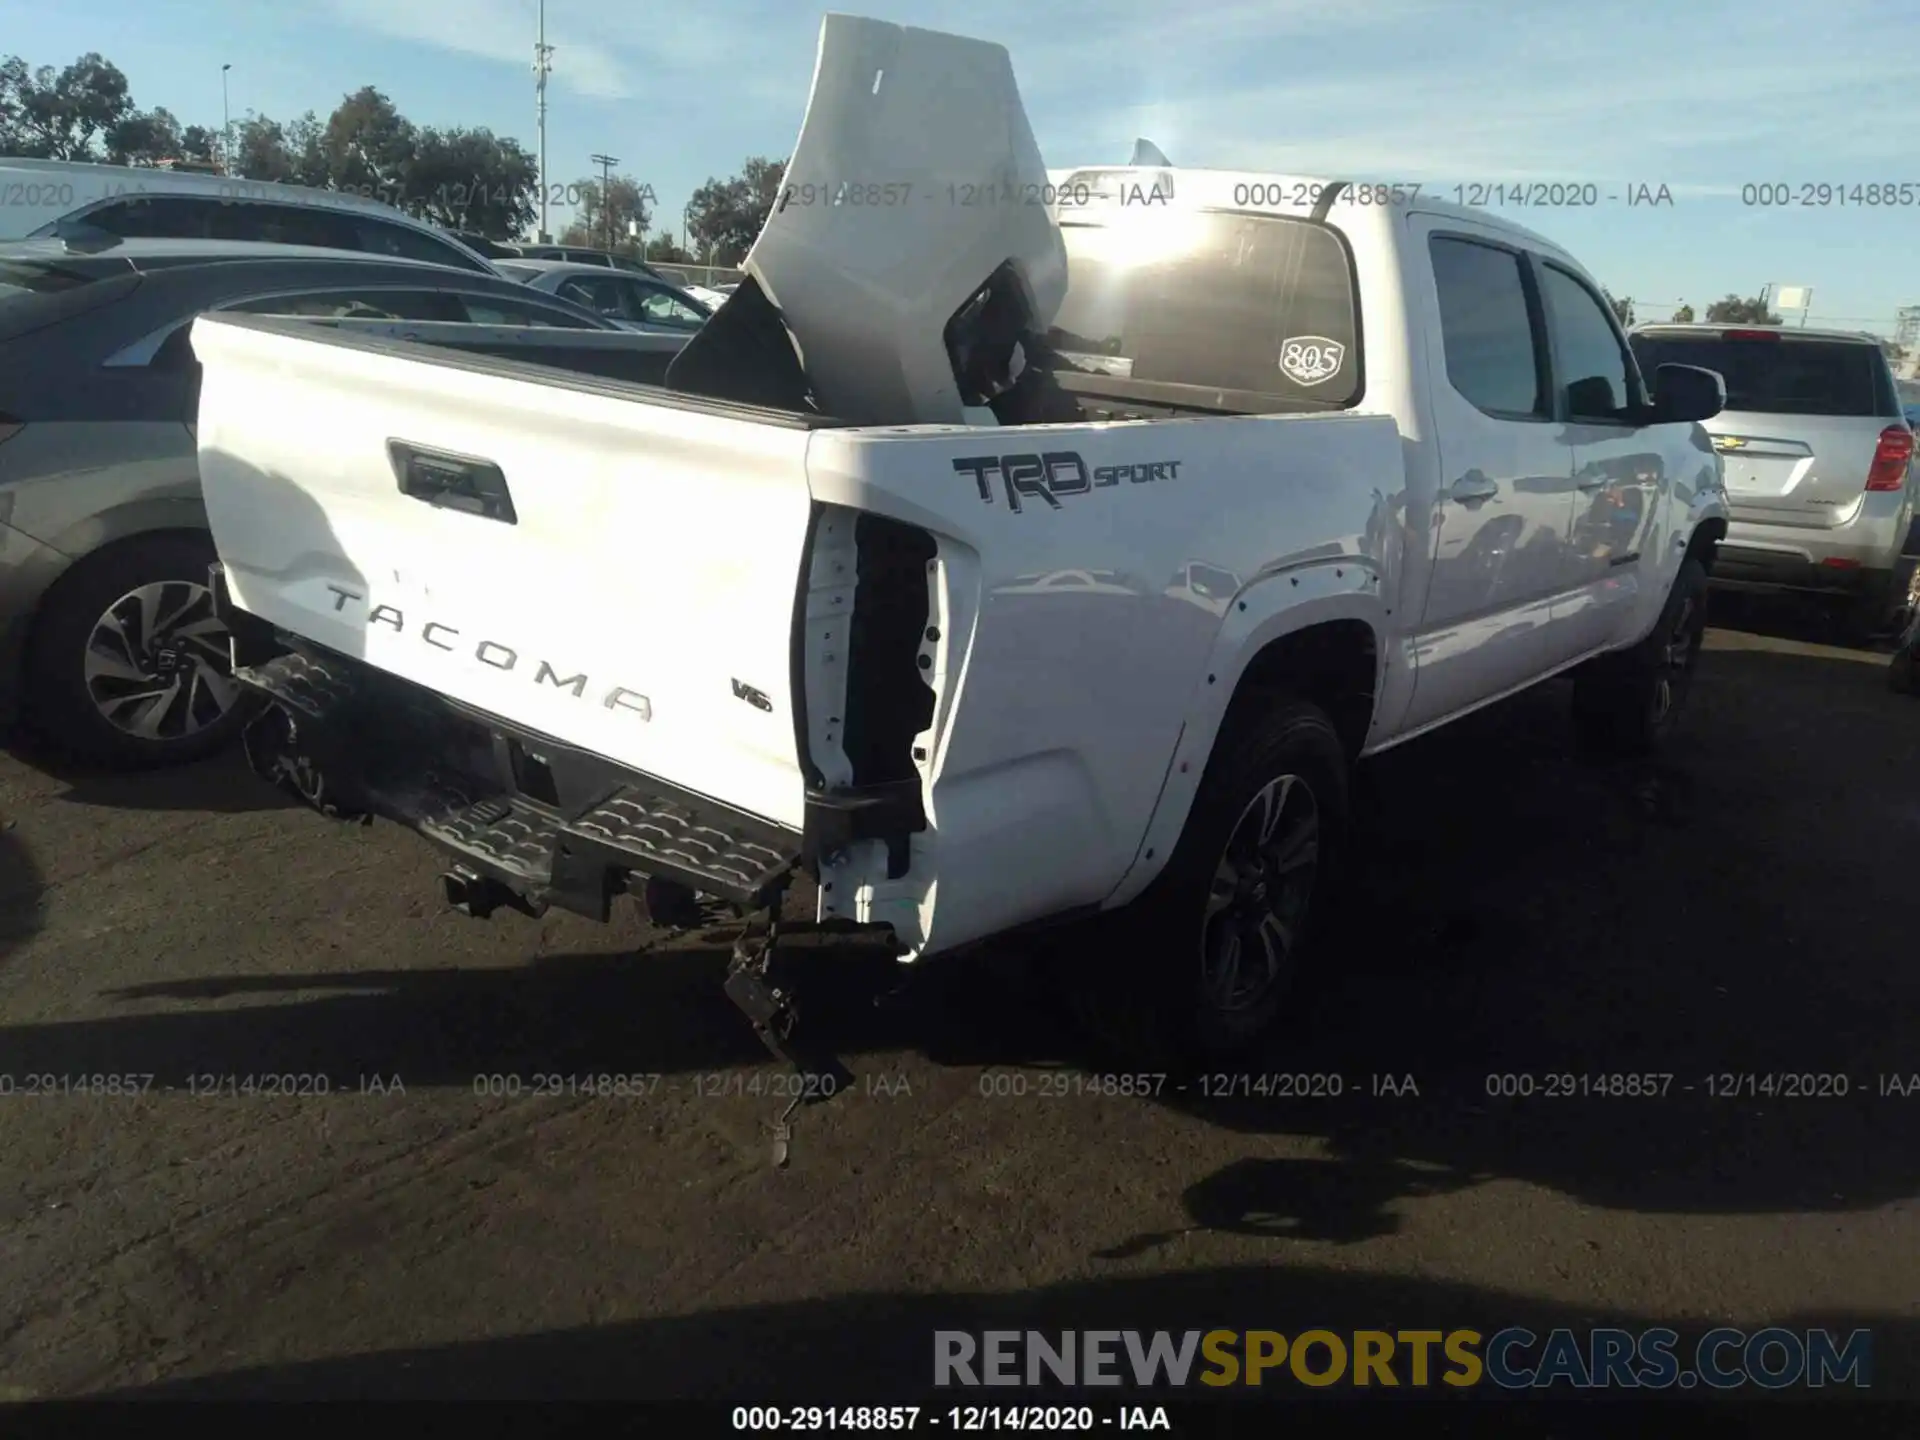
[(37, 196)]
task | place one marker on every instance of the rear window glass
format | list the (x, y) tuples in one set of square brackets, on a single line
[(1230, 312), (1778, 377)]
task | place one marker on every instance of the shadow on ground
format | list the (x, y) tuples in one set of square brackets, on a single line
[(881, 1346), (1805, 619), (1518, 913), (222, 784), (22, 895)]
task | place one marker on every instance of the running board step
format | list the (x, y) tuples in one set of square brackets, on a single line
[(704, 850), (369, 734)]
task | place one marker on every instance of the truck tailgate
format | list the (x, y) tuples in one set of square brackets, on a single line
[(609, 565)]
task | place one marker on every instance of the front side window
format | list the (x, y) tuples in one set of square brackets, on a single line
[(1591, 363), (657, 305), (599, 294)]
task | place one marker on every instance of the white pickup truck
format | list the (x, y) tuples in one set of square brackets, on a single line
[(1002, 551)]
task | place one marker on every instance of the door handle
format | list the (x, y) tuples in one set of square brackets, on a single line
[(1471, 489), (452, 482)]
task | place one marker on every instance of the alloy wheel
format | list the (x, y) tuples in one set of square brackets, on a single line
[(1256, 907), (1676, 661), (157, 665)]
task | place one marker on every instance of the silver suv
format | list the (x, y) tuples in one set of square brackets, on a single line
[(1818, 458)]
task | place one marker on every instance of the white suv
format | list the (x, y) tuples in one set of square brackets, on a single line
[(1817, 455)]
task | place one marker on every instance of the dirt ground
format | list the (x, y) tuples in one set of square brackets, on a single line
[(1745, 909)]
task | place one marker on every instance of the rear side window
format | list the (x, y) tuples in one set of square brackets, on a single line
[(157, 217), (1486, 328), (1779, 376), (1230, 312)]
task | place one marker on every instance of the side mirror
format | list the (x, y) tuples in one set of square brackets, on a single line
[(1686, 393)]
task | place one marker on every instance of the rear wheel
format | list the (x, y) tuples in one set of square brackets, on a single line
[(1201, 966), (128, 666), (1629, 704)]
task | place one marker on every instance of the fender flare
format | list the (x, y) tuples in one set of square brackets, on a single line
[(1271, 607)]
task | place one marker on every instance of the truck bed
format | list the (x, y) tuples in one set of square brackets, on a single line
[(889, 642)]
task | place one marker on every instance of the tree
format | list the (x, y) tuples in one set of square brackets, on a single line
[(471, 180), (604, 221), (57, 115), (368, 145), (1683, 316), (14, 78), (1736, 310), (197, 142), (663, 249), (461, 178), (1622, 309), (144, 137), (725, 216)]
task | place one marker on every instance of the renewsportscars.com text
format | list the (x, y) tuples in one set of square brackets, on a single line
[(1514, 1358)]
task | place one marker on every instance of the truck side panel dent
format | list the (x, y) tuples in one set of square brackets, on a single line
[(1343, 598), (1083, 619)]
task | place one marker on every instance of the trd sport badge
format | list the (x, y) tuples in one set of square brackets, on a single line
[(1311, 359)]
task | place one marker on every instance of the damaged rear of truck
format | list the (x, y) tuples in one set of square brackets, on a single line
[(862, 591)]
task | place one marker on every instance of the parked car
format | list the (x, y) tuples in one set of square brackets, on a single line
[(1818, 456), (638, 302), (1910, 400), (51, 197), (482, 245), (713, 299), (759, 624), (106, 633), (582, 255)]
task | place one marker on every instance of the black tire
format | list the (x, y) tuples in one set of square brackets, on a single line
[(1627, 705), (1864, 619), (69, 708), (1141, 985)]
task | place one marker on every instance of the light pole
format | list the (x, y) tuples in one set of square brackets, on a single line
[(606, 164), (542, 67), (226, 124)]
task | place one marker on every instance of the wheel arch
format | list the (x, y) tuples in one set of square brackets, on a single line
[(1704, 543), (1315, 633)]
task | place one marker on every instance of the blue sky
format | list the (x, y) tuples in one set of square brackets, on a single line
[(1702, 96)]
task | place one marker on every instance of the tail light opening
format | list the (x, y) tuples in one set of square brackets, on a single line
[(1891, 459)]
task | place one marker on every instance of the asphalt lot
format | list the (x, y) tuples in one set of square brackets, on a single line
[(1743, 909)]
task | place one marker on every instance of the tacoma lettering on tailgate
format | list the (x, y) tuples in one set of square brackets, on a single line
[(441, 636), (1046, 477)]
